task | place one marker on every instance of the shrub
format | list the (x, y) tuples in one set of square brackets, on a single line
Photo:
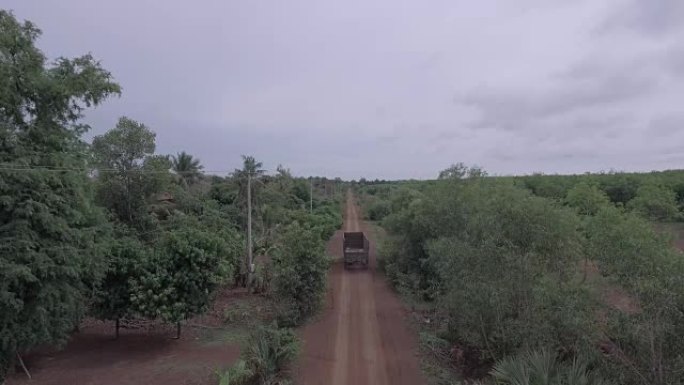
[(300, 269), (655, 202), (270, 350), (378, 210), (543, 368)]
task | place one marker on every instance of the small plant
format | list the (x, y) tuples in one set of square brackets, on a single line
[(270, 350), (542, 368), (238, 374)]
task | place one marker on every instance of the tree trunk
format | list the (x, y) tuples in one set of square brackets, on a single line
[(178, 330), (249, 232), (23, 366), (116, 325)]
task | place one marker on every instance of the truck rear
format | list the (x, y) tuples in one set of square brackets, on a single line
[(356, 248)]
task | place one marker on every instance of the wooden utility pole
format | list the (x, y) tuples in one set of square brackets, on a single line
[(249, 231), (311, 195)]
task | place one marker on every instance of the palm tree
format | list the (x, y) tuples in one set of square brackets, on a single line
[(187, 167), (251, 169)]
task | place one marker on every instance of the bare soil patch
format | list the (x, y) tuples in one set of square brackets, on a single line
[(146, 352)]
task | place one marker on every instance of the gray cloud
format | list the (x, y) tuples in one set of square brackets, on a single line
[(518, 109), (391, 88), (674, 59), (652, 17), (667, 125)]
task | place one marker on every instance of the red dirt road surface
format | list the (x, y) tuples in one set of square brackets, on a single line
[(362, 337)]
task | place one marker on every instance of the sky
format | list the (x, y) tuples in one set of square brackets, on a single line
[(389, 89)]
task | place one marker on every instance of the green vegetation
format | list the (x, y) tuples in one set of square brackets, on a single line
[(500, 269), (299, 275), (51, 254), (116, 231), (270, 350)]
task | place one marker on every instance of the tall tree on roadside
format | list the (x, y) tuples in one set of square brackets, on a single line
[(187, 167), (128, 171), (251, 169), (49, 228)]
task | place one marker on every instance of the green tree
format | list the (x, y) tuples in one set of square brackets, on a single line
[(455, 171), (586, 199), (187, 167), (120, 156), (657, 203), (632, 253), (50, 257), (300, 269), (113, 301), (186, 269)]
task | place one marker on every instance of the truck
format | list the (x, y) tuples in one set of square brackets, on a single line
[(355, 248)]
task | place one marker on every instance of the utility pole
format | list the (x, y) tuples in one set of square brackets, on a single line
[(249, 231), (311, 195)]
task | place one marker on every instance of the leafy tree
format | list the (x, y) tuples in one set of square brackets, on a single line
[(455, 171), (586, 199), (129, 172), (655, 202), (128, 259), (300, 269), (50, 258), (185, 271), (187, 167), (461, 171)]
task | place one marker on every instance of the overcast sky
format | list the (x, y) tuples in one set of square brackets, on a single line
[(389, 88)]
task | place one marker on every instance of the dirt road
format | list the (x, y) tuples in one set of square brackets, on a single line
[(361, 338)]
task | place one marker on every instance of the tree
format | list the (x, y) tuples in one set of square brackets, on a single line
[(654, 202), (455, 171), (129, 172), (586, 199), (113, 301), (185, 271), (300, 269), (251, 169), (187, 167), (460, 171), (50, 257)]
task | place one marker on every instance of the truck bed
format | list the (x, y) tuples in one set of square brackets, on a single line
[(355, 247)]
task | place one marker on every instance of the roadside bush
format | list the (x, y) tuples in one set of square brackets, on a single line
[(631, 253), (543, 368), (536, 302), (300, 269), (270, 350), (378, 210)]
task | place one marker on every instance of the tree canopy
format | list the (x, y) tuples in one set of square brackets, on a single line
[(50, 254)]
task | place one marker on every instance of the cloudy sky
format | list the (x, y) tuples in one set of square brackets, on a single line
[(389, 88)]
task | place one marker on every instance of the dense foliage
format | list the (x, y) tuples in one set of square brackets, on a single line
[(299, 275), (506, 271), (117, 231), (50, 254)]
